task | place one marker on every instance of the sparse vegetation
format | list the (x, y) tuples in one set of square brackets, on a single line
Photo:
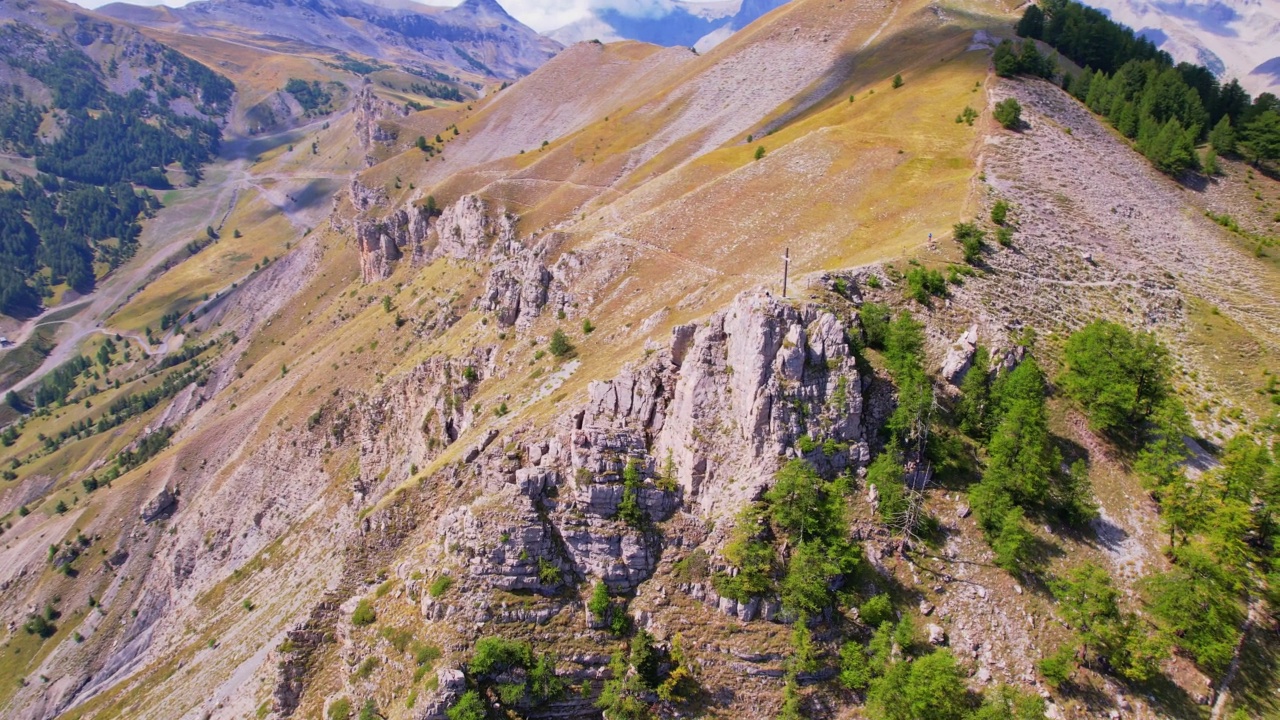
[(364, 614), (440, 586)]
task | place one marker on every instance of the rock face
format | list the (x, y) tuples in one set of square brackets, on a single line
[(383, 242), (960, 356), (698, 428), (369, 110), (159, 506), (522, 279)]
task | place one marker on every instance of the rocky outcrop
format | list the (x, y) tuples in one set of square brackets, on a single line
[(703, 425), (521, 280), (159, 506), (383, 242), (960, 356), (467, 230), (369, 110), (519, 284)]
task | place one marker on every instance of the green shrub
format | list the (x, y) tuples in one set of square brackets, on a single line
[(886, 475), (40, 626), (923, 282), (1009, 113), (510, 693), (1057, 667), (1120, 378), (928, 687), (468, 707), (620, 623), (494, 655), (548, 572), (970, 237), (692, 568), (855, 670), (365, 668), (599, 603), (424, 654), (875, 323), (364, 614), (999, 212), (544, 683), (876, 611), (560, 345), (629, 510), (340, 709), (1003, 702), (897, 81), (439, 586)]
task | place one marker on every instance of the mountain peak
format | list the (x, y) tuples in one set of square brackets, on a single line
[(485, 8)]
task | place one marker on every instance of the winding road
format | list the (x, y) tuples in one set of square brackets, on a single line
[(163, 237)]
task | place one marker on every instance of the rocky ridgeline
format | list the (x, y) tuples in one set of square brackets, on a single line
[(706, 421), (521, 282), (369, 111)]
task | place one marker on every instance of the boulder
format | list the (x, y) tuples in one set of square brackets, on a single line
[(960, 356), (159, 506)]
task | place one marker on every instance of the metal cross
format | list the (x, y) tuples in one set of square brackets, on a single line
[(786, 270)]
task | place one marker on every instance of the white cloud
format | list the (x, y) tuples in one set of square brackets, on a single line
[(541, 15), (544, 15)]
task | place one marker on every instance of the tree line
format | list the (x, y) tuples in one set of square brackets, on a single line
[(1222, 529), (1165, 108), (63, 227)]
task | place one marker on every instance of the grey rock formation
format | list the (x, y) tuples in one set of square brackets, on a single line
[(705, 423), (520, 283), (960, 356), (158, 506)]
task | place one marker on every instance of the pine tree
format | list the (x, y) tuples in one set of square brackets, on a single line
[(975, 396), (1032, 23), (1009, 113), (1223, 137)]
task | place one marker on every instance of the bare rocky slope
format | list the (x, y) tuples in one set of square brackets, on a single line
[(383, 422), (478, 38)]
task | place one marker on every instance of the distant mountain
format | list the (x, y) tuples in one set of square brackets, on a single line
[(698, 25), (1233, 38), (476, 38)]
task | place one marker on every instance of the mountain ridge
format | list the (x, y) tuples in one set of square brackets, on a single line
[(500, 404), (496, 46)]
